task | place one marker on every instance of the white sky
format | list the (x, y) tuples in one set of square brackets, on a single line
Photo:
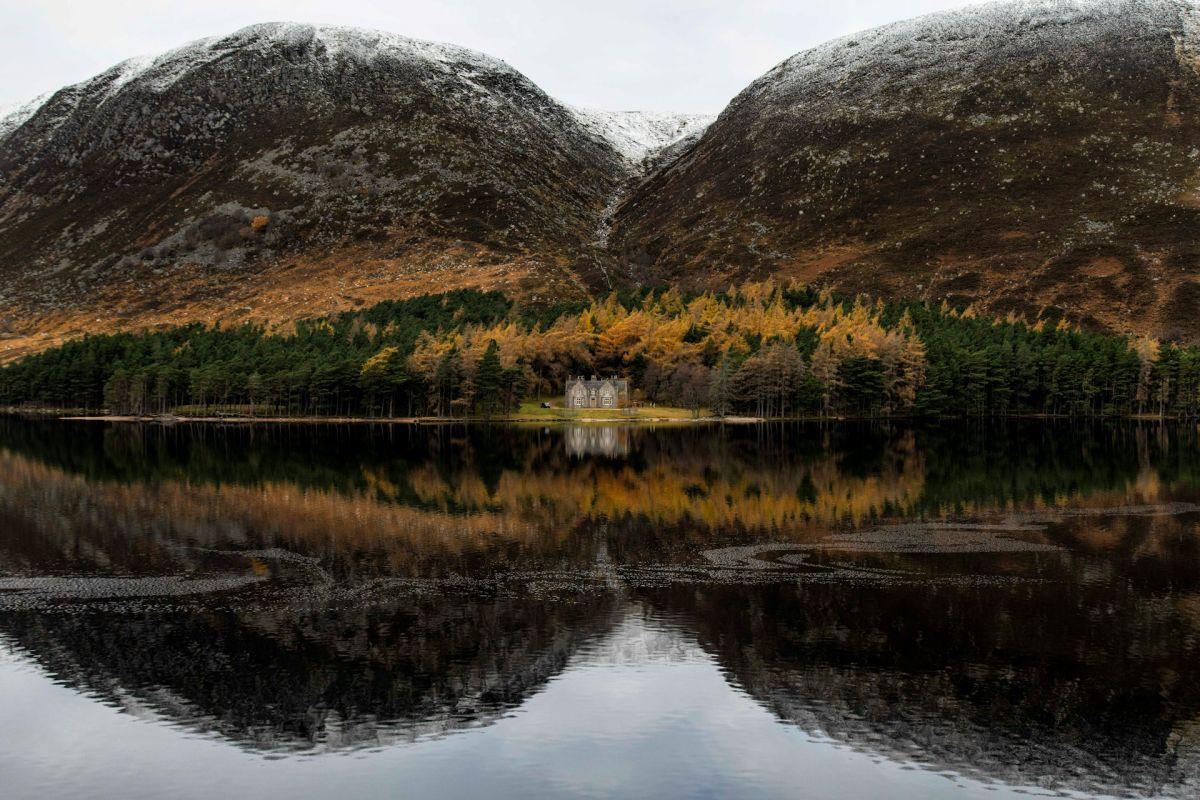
[(663, 55)]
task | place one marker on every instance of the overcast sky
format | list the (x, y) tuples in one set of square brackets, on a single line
[(664, 55)]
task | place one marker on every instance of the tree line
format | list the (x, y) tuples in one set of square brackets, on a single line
[(760, 349)]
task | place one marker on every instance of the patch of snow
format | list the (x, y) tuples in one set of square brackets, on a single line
[(637, 135), (14, 116), (640, 641), (125, 72), (330, 43)]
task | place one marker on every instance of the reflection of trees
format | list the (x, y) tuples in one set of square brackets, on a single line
[(1155, 556), (772, 476), (443, 488), (55, 522), (1024, 684), (1034, 461), (325, 677), (469, 500), (465, 500)]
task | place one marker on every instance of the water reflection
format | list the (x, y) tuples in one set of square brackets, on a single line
[(1014, 602), (596, 440)]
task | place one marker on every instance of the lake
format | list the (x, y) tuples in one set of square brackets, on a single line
[(988, 609)]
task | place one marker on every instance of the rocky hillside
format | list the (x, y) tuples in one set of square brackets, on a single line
[(286, 170), (1041, 158)]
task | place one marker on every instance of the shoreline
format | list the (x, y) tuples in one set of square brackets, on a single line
[(176, 419), (524, 419)]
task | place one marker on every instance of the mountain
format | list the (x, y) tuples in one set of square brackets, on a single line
[(287, 170), (1040, 158), (1034, 158)]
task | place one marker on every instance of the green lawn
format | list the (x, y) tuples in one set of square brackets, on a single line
[(532, 409), (239, 410)]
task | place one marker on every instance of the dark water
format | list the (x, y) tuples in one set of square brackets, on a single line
[(782, 611)]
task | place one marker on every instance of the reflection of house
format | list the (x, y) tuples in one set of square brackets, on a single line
[(597, 393), (600, 440)]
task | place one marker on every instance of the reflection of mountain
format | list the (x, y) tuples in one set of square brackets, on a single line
[(325, 678), (1021, 684), (994, 682)]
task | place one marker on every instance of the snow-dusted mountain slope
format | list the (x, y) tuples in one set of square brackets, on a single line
[(951, 48), (363, 164), (1038, 157), (14, 116), (339, 65), (638, 135)]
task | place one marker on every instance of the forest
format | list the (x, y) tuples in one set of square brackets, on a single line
[(760, 349)]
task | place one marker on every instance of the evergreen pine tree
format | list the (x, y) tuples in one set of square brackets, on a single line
[(489, 380)]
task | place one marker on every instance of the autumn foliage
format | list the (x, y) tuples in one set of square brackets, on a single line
[(760, 349), (755, 347)]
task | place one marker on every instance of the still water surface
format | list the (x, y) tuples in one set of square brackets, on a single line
[(985, 610)]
